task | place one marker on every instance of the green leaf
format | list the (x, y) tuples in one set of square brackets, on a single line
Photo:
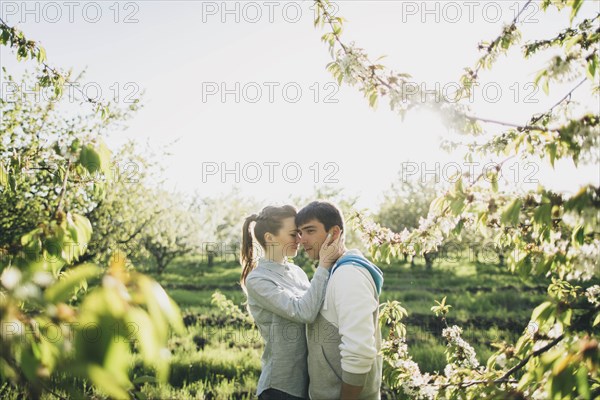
[(139, 395), (105, 155), (30, 361), (373, 99), (578, 235), (80, 231), (541, 312), (53, 263), (510, 215), (161, 307), (145, 334), (385, 252), (5, 36), (317, 20), (54, 244), (12, 182), (32, 244), (83, 227), (41, 55), (458, 188), (117, 360), (546, 87), (457, 205), (552, 153), (523, 344), (144, 379), (543, 214), (458, 228), (90, 159), (539, 76), (105, 380), (551, 356), (576, 5), (494, 182), (3, 175), (592, 66), (72, 229), (63, 288), (583, 386)]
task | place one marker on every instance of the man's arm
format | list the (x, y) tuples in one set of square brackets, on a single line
[(355, 303)]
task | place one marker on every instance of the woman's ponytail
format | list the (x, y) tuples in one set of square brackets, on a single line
[(247, 256), (270, 220)]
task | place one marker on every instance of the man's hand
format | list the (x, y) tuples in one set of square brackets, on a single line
[(350, 392)]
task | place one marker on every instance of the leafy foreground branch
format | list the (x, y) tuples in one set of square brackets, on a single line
[(463, 376), (67, 324), (544, 233)]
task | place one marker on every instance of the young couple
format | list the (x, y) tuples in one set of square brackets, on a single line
[(322, 337)]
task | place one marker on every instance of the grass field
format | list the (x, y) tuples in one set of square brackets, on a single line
[(219, 356), (220, 359)]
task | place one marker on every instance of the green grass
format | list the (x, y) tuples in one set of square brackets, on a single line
[(218, 358), (488, 302)]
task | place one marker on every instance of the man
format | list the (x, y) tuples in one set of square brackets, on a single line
[(345, 339)]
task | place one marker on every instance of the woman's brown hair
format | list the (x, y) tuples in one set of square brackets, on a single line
[(269, 220)]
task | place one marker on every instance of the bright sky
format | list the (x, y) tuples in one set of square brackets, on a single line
[(241, 86)]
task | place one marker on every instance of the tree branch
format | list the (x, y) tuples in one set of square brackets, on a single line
[(524, 361), (63, 189)]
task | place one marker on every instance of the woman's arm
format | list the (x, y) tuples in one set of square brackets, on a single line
[(286, 304)]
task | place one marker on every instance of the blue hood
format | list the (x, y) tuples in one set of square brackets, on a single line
[(356, 258)]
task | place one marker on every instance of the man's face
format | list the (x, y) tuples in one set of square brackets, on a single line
[(312, 236)]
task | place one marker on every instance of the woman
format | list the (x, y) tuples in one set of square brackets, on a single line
[(281, 299)]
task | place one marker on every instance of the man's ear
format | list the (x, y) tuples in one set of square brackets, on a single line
[(335, 232)]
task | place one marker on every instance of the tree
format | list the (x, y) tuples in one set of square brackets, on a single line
[(404, 204), (171, 232), (122, 215), (222, 217), (54, 170), (42, 149), (547, 233)]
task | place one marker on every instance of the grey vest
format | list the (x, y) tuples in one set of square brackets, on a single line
[(325, 362)]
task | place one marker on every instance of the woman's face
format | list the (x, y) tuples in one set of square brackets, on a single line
[(287, 239)]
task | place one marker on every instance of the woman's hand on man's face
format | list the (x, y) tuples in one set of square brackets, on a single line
[(331, 250)]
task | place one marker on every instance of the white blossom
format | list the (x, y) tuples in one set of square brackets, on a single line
[(539, 344), (27, 291), (42, 278), (584, 261), (501, 360), (593, 295), (555, 331), (449, 371), (10, 278), (464, 351)]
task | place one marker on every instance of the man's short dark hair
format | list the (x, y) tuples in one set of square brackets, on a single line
[(324, 212)]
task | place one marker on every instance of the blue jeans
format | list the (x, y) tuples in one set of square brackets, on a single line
[(274, 394)]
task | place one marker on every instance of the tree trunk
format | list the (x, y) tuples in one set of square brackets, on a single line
[(429, 257), (160, 265), (501, 258)]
